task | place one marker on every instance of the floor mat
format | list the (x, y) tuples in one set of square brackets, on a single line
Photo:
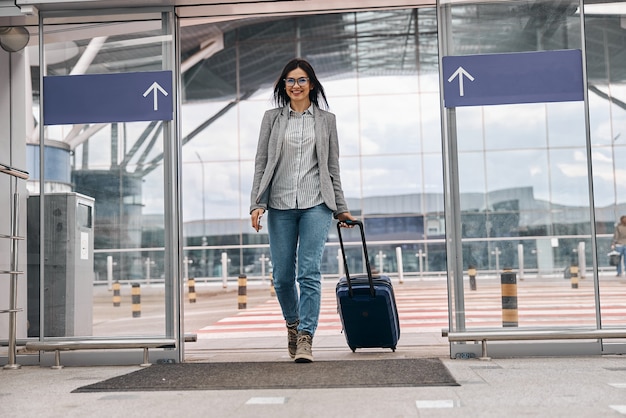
[(288, 375)]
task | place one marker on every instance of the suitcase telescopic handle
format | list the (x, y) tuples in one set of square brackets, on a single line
[(345, 260)]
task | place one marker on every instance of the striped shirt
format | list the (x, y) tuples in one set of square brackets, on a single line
[(296, 183)]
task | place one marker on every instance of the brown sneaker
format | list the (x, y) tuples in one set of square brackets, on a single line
[(292, 338), (304, 353)]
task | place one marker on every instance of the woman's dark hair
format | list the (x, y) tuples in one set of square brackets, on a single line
[(316, 95)]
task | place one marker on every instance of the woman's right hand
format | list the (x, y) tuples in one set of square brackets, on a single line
[(256, 216)]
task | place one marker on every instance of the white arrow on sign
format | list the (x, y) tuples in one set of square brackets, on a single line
[(460, 72), (155, 88)]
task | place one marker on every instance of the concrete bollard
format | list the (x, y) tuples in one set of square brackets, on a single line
[(400, 265), (242, 291), (471, 272), (508, 282), (573, 272), (117, 298), (191, 284), (136, 299)]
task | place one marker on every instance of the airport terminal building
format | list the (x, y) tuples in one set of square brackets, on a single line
[(480, 137)]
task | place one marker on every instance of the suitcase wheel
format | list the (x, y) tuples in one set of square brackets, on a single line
[(353, 349), (393, 349)]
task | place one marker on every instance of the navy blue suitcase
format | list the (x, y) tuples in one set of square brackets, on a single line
[(367, 305)]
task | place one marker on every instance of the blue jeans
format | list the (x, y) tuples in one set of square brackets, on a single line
[(297, 239), (621, 249)]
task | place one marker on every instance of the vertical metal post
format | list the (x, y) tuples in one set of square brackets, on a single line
[(582, 260), (520, 260), (12, 360), (592, 208), (147, 270), (452, 204), (263, 259), (224, 270), (400, 266), (109, 271), (497, 253), (420, 255), (172, 172), (43, 71), (340, 263), (381, 262)]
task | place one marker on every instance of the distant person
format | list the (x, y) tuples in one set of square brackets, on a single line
[(619, 242), (296, 180)]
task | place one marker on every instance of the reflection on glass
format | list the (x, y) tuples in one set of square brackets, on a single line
[(523, 175), (391, 176), (394, 131), (515, 126), (105, 226), (471, 137), (523, 172)]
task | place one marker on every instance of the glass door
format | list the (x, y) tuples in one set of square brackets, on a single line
[(519, 193), (103, 255)]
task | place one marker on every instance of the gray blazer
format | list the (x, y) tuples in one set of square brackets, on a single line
[(268, 151)]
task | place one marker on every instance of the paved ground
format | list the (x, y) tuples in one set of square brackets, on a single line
[(520, 387), (545, 387)]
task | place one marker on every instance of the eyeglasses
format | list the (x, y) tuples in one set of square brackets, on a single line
[(302, 81)]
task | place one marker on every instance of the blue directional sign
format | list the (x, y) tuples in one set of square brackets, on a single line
[(102, 98), (524, 77)]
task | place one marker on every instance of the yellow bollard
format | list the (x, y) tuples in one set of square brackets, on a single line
[(136, 299), (508, 284), (573, 271), (242, 292), (471, 271), (117, 298), (191, 283)]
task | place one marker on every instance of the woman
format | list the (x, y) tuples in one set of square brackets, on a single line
[(296, 180), (619, 242)]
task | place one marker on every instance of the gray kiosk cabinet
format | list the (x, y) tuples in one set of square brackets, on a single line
[(68, 267)]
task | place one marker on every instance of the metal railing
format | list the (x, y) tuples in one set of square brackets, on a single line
[(95, 344), (13, 271), (531, 335)]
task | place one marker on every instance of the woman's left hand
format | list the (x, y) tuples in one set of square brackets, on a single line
[(345, 216)]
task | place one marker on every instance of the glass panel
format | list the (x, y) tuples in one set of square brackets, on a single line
[(396, 131), (390, 49), (223, 144), (515, 126), (431, 171), (600, 120), (471, 137), (344, 109), (607, 95), (565, 131), (379, 72), (381, 174), (522, 177), (430, 118), (104, 202)]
